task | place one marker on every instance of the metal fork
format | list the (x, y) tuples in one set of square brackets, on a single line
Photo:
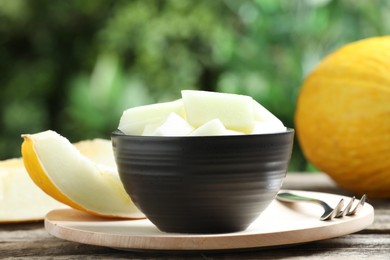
[(329, 213)]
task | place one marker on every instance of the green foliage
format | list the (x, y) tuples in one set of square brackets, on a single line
[(74, 66)]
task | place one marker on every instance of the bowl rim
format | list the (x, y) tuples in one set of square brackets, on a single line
[(119, 133)]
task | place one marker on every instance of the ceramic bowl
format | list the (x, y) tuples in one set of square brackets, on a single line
[(209, 184)]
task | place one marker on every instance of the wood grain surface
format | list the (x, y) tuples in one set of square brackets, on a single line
[(32, 241)]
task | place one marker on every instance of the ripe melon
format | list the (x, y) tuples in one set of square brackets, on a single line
[(342, 117), (87, 183)]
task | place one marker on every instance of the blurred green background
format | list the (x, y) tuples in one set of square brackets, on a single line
[(73, 66)]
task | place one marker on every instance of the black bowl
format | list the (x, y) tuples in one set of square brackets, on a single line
[(209, 184)]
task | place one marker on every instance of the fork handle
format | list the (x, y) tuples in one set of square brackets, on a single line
[(289, 197)]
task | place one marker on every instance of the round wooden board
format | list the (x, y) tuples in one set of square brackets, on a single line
[(279, 225)]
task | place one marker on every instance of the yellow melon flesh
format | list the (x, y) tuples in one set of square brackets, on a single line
[(60, 170), (20, 199)]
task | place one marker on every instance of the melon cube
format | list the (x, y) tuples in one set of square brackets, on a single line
[(261, 114), (236, 112), (174, 125), (212, 127), (232, 132), (134, 120), (150, 129), (266, 127)]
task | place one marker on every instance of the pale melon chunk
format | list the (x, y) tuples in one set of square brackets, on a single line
[(212, 127), (262, 114), (20, 199), (267, 127), (236, 112), (265, 121), (232, 132), (150, 129), (134, 120), (174, 126), (58, 168)]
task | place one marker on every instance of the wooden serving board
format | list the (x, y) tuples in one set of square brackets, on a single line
[(279, 225)]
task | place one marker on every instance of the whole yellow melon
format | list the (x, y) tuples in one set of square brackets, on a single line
[(342, 117)]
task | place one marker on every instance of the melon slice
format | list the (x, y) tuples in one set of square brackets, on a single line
[(20, 199), (236, 112), (59, 169), (134, 120)]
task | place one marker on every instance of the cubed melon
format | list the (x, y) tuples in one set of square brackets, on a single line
[(134, 120), (212, 127), (262, 114), (174, 125), (236, 112), (266, 127)]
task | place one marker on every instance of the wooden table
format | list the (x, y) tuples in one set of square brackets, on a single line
[(30, 240)]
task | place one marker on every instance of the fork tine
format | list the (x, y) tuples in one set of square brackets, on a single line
[(338, 209), (360, 204), (347, 208), (329, 212)]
